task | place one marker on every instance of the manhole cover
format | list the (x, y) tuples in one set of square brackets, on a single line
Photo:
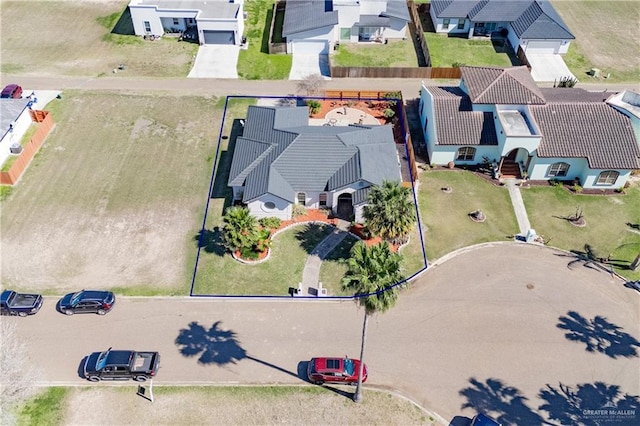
[(529, 286)]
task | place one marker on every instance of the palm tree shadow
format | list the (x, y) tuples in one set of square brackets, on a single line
[(589, 403), (505, 403), (599, 335), (216, 346), (310, 236), (211, 241)]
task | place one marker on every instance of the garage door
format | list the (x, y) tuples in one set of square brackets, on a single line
[(543, 47), (311, 47), (219, 37)]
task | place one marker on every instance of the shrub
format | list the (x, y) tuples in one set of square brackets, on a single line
[(555, 182), (271, 222), (249, 253), (314, 106), (298, 210), (577, 188), (388, 113)]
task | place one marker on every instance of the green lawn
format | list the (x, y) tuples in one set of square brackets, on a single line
[(445, 216), (255, 63), (446, 51), (397, 53), (44, 409), (607, 217)]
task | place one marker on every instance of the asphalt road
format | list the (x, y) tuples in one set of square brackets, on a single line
[(473, 333)]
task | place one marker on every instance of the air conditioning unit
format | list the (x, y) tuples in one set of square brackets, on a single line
[(16, 148)]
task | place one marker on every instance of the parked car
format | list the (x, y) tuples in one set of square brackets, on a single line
[(12, 303), (11, 91), (481, 419), (121, 365), (633, 284), (87, 301), (335, 370)]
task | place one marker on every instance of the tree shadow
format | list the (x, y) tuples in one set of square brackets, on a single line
[(124, 26), (505, 403), (599, 335), (211, 241), (590, 404), (216, 346), (310, 236), (586, 259)]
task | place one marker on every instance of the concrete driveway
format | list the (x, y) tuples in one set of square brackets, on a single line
[(477, 332), (305, 64), (548, 67), (216, 61)]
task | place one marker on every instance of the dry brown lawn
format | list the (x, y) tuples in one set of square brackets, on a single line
[(54, 38), (607, 34), (115, 196), (238, 406)]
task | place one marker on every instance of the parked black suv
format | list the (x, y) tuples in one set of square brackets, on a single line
[(87, 301)]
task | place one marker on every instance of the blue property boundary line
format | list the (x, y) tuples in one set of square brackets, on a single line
[(210, 192)]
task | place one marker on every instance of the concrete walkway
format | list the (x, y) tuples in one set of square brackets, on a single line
[(518, 206), (311, 271)]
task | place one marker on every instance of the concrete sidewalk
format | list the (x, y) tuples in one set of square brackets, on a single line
[(518, 206)]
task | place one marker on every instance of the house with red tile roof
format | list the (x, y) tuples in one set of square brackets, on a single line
[(500, 116)]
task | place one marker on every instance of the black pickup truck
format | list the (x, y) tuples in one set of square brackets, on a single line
[(121, 365), (12, 303)]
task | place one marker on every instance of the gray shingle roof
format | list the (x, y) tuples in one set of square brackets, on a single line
[(304, 15), (284, 160), (397, 9), (530, 19), (10, 110), (456, 123), (591, 130), (207, 8), (501, 86), (373, 21)]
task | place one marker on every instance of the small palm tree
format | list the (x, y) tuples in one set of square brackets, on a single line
[(390, 213), (371, 275), (240, 229)]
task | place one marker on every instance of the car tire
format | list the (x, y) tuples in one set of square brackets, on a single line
[(101, 312), (68, 312), (319, 382), (22, 314), (140, 378), (93, 378)]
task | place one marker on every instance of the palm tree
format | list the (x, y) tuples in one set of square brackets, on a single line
[(240, 229), (372, 272), (390, 212)]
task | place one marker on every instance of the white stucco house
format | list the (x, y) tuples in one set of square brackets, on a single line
[(313, 26), (280, 160), (216, 21), (534, 25), (501, 115), (15, 119)]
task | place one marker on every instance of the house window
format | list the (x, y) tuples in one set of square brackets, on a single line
[(608, 177), (558, 169), (323, 200), (176, 21), (466, 153), (302, 198), (345, 33), (445, 23), (461, 24), (147, 26)]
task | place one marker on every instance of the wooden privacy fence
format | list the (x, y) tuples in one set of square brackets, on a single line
[(419, 32), (399, 72), (275, 48), (45, 125), (523, 58), (381, 96)]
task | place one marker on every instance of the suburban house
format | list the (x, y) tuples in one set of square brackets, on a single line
[(534, 25), (500, 117), (280, 160), (313, 27), (215, 21), (15, 119), (628, 103)]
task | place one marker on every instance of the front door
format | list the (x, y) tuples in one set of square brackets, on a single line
[(345, 206)]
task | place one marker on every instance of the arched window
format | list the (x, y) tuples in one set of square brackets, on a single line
[(269, 205), (608, 177), (466, 153), (558, 169)]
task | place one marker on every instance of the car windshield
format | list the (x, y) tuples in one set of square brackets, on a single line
[(75, 298), (349, 367), (102, 360)]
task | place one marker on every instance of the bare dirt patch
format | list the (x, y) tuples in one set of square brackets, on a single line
[(114, 197), (237, 406)]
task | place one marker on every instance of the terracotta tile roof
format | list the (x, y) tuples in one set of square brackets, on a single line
[(515, 86), (456, 123), (591, 130)]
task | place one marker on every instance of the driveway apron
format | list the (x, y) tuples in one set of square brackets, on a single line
[(216, 61)]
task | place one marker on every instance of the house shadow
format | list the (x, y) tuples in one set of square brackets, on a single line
[(504, 403), (590, 403), (214, 345), (599, 335), (221, 187), (124, 26), (211, 241)]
